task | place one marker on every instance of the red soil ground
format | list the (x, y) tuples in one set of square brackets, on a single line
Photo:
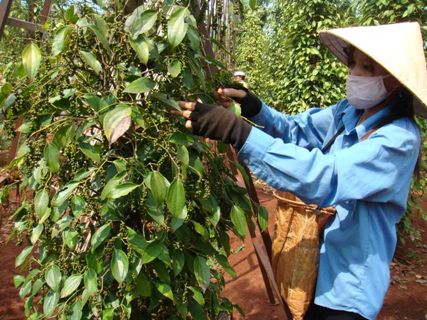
[(406, 298)]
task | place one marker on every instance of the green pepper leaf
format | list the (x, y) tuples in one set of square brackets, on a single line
[(31, 58), (119, 265), (202, 272), (60, 40), (35, 235), (41, 202), (51, 156), (140, 85), (177, 27), (90, 59), (165, 290), (263, 218), (22, 256), (238, 218), (176, 199), (90, 281), (53, 277), (100, 236), (50, 302), (71, 284), (141, 48), (140, 21), (174, 68)]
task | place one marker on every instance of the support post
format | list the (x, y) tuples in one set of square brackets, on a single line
[(5, 6)]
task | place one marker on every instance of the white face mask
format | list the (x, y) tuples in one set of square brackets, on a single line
[(366, 92)]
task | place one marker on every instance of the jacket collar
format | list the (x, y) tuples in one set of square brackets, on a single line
[(352, 115)]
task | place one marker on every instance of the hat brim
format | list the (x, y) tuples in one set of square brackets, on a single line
[(338, 47)]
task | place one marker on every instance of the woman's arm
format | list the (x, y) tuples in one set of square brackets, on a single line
[(308, 129), (378, 169)]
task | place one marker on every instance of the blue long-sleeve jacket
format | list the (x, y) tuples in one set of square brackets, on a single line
[(367, 179)]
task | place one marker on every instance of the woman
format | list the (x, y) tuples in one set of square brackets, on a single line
[(358, 156)]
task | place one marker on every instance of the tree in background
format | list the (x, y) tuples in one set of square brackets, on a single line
[(252, 50), (304, 72)]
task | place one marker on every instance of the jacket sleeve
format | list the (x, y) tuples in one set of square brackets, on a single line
[(307, 129), (378, 169)]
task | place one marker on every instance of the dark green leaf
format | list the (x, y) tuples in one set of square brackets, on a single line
[(70, 285), (35, 235), (53, 278), (197, 295), (165, 290), (122, 190), (90, 59), (165, 99), (111, 184), (187, 79), (141, 48), (263, 218), (152, 251), (64, 136), (194, 38), (140, 21), (100, 236), (119, 265), (90, 281), (60, 40), (140, 85), (222, 260), (238, 218), (177, 27), (158, 185), (143, 285), (178, 260), (63, 195), (90, 151), (202, 272), (71, 237), (50, 302), (174, 68), (41, 202), (51, 156), (22, 256), (176, 199), (182, 139), (101, 31), (78, 205)]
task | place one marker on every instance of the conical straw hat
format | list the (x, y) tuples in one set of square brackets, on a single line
[(397, 47)]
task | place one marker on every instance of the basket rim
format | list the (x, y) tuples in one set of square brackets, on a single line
[(301, 204)]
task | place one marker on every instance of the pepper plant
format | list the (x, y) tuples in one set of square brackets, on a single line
[(124, 214)]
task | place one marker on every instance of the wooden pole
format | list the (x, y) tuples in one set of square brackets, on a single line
[(5, 6)]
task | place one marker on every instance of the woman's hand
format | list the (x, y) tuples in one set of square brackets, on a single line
[(214, 122), (249, 103), (227, 95)]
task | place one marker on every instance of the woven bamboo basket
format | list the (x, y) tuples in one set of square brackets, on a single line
[(295, 250)]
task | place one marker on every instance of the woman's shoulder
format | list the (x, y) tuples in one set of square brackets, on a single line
[(402, 129)]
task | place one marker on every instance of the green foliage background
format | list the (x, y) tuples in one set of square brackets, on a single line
[(293, 70)]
